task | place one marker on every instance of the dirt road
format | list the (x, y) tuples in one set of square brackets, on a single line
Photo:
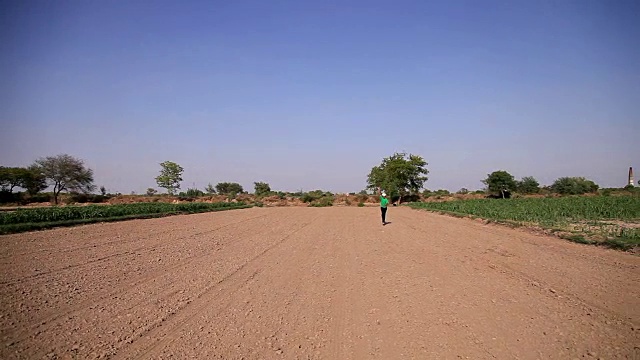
[(314, 283)]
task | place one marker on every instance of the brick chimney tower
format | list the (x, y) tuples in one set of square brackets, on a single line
[(631, 176)]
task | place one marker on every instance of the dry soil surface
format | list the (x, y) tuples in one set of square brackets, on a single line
[(314, 283)]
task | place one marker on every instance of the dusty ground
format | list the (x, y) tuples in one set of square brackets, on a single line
[(314, 283)]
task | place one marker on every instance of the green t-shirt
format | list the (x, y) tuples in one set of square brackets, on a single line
[(384, 201)]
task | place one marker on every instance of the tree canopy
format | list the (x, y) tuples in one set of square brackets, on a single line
[(528, 185), (262, 188), (65, 173), (170, 176), (400, 174), (500, 182), (229, 188)]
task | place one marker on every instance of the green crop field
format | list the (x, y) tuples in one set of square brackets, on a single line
[(42, 218), (611, 220)]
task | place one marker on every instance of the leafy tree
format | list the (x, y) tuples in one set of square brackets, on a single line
[(573, 186), (262, 188), (103, 191), (10, 177), (399, 174), (210, 189), (29, 179), (170, 176), (528, 185), (151, 191), (500, 182), (33, 180), (463, 191), (65, 173), (228, 188)]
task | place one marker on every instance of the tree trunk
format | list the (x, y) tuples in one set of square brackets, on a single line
[(57, 188), (502, 191)]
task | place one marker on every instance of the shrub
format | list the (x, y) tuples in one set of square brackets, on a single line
[(323, 201), (360, 204), (528, 185), (573, 186), (7, 196)]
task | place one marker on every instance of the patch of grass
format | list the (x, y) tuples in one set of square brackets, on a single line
[(603, 220), (40, 222)]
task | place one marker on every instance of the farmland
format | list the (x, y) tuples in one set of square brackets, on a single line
[(313, 283), (46, 217), (609, 220)]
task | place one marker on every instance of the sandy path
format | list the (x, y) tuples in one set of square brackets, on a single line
[(305, 283)]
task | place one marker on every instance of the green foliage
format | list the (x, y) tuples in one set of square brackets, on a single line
[(170, 176), (229, 189), (261, 188), (399, 175), (528, 185), (103, 191), (151, 191), (323, 201), (65, 173), (545, 209), (361, 204), (42, 218), (500, 182), (597, 216), (573, 186), (192, 193), (54, 214), (314, 195), (442, 192), (462, 191), (30, 179)]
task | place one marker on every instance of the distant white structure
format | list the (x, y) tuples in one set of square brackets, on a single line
[(631, 177)]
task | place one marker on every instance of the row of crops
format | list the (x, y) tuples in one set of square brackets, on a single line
[(16, 220), (545, 209), (607, 218)]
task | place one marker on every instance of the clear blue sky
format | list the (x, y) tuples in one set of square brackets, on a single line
[(305, 94)]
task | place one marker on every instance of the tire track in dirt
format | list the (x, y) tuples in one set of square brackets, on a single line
[(509, 261), (62, 314), (75, 307), (120, 243), (306, 283), (557, 308), (224, 285)]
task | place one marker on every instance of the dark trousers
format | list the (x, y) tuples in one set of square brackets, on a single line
[(384, 214)]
